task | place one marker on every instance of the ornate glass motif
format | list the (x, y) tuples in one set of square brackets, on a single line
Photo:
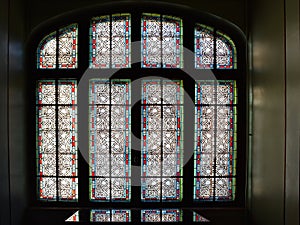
[(120, 41), (57, 158), (171, 42), (67, 51), (113, 215), (215, 140), (204, 47), (100, 42), (161, 41), (150, 215), (110, 140), (110, 41), (225, 52), (171, 215), (46, 52), (162, 129), (151, 41), (163, 215)]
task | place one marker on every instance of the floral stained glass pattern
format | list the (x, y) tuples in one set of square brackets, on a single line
[(225, 52), (204, 47), (46, 52), (57, 140), (213, 49), (163, 215), (67, 51), (110, 41), (215, 140), (161, 41), (113, 215), (162, 128), (109, 140)]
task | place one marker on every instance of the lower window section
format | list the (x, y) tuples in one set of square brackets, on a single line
[(140, 215)]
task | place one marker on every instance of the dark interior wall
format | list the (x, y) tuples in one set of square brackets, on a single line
[(274, 35), (292, 111), (232, 10), (4, 165)]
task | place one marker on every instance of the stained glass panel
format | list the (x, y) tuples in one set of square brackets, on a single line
[(67, 51), (110, 140), (171, 42), (161, 41), (46, 52), (110, 41), (225, 52), (151, 41), (151, 215), (162, 129), (57, 158), (120, 42), (171, 215), (215, 140), (100, 42), (113, 215), (204, 47)]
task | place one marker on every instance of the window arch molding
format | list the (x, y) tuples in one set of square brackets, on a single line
[(190, 18)]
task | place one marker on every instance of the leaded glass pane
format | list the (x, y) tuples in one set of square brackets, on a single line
[(67, 188), (110, 140), (162, 143), (100, 215), (215, 139), (161, 41), (150, 215), (47, 188), (67, 51), (120, 41), (151, 41), (171, 42), (46, 52), (57, 118), (171, 215), (100, 189), (204, 47), (120, 215), (46, 92), (225, 52), (100, 42)]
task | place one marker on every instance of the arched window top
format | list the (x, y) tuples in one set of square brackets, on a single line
[(66, 43), (213, 49), (161, 44), (46, 52)]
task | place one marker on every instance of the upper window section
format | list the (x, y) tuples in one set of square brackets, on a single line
[(161, 41), (66, 57), (110, 41), (213, 49)]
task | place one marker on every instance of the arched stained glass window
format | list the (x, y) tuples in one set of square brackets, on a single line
[(110, 41), (66, 56), (213, 49), (163, 138)]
